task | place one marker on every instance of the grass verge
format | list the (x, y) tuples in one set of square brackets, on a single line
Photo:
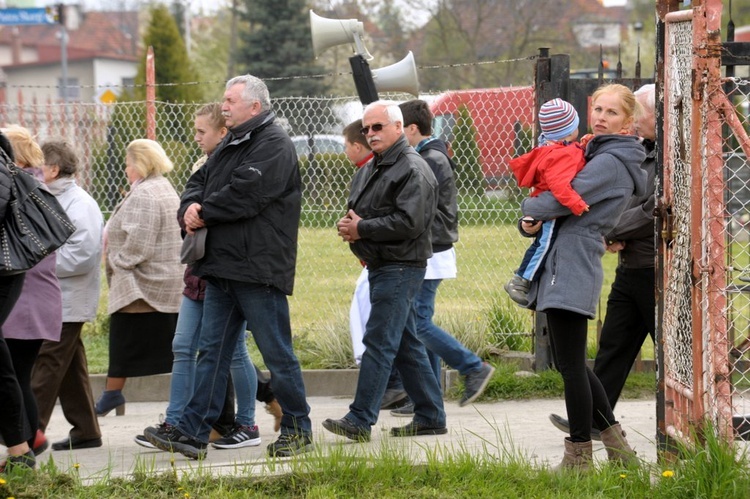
[(714, 469)]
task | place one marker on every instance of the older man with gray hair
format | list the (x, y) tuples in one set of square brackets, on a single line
[(391, 207), (248, 195)]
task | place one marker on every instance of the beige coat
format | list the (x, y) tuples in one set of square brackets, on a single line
[(143, 248)]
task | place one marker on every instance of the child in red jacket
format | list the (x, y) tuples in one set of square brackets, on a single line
[(549, 167)]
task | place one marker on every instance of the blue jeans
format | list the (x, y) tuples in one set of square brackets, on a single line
[(391, 339), (440, 343), (227, 305), (185, 349)]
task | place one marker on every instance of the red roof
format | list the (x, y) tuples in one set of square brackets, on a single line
[(100, 34)]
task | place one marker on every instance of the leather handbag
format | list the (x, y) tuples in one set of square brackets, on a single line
[(35, 224)]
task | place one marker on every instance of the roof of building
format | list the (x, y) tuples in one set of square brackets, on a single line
[(111, 35)]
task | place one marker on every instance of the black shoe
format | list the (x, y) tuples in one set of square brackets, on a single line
[(347, 429), (414, 429), (73, 443), (171, 439), (406, 411), (393, 399), (25, 461), (240, 436), (290, 444), (475, 383), (562, 424)]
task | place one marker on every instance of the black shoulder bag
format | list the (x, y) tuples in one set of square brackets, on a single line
[(35, 224)]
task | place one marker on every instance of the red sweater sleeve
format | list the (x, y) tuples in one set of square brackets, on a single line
[(559, 168)]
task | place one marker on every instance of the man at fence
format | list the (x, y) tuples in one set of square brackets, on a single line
[(248, 196), (392, 205), (631, 306)]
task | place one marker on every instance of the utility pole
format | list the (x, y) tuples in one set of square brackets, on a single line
[(232, 41), (63, 52)]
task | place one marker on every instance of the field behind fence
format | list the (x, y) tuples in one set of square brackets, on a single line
[(489, 247)]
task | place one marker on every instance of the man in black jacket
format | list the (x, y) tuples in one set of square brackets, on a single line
[(442, 265), (248, 195), (631, 305), (391, 207)]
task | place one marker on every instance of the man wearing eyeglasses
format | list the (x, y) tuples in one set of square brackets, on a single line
[(391, 207)]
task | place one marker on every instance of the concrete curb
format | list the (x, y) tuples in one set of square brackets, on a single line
[(318, 383)]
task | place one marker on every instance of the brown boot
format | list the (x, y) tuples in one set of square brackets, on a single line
[(273, 408), (618, 448), (577, 456)]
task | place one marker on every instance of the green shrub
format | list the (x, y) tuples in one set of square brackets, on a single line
[(509, 325)]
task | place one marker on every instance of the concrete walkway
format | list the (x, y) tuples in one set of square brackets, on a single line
[(518, 428)]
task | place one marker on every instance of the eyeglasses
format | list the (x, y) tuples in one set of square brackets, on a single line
[(376, 127)]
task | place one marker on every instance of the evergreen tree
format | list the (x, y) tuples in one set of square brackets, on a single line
[(469, 176), (171, 60), (279, 45)]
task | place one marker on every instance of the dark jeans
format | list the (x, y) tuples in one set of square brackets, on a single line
[(14, 426), (585, 399), (266, 310), (441, 344), (23, 353), (391, 339), (631, 312)]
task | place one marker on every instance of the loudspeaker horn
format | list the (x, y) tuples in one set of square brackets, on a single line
[(398, 77), (327, 33)]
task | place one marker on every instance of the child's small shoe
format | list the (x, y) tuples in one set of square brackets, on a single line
[(518, 290)]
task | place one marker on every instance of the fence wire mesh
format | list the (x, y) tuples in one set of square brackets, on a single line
[(677, 329), (484, 129), (707, 255), (736, 146)]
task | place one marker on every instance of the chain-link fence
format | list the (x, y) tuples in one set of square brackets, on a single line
[(737, 223), (484, 129)]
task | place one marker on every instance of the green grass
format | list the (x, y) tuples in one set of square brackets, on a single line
[(473, 307), (713, 470)]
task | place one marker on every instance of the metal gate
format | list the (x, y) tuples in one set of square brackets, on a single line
[(702, 261)]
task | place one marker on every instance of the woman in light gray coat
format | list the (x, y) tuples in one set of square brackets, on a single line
[(571, 281), (61, 368)]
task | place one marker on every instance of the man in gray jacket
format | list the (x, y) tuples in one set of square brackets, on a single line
[(392, 205)]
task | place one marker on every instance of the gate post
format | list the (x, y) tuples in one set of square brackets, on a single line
[(552, 75)]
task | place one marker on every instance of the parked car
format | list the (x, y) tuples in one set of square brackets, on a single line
[(318, 144)]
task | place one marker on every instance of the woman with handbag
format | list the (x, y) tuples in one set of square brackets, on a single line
[(142, 263), (61, 369), (37, 315), (13, 421)]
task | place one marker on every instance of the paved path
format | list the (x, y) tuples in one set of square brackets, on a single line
[(520, 428)]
